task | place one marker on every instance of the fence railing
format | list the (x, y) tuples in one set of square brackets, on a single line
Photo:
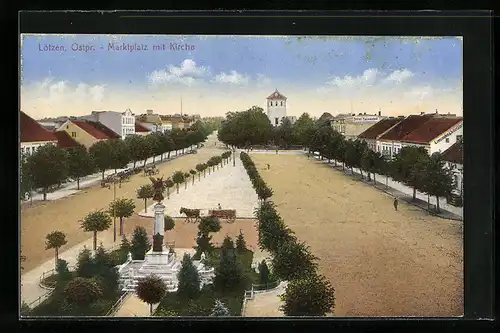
[(265, 287), (118, 304)]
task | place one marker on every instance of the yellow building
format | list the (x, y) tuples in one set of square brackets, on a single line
[(87, 133), (141, 130)]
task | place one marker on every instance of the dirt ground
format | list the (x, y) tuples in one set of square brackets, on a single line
[(64, 214), (381, 262)]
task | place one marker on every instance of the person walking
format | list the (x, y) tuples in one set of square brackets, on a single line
[(395, 203)]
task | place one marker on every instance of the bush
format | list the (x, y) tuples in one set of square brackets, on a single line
[(227, 244), (84, 265), (62, 271), (140, 243), (241, 245), (293, 260), (229, 274), (82, 291), (189, 279)]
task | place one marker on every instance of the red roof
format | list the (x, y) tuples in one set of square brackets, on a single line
[(405, 127), (431, 129), (140, 128), (454, 154), (276, 95), (379, 128), (97, 130), (31, 131), (64, 140)]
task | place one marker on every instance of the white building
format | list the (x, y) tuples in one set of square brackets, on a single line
[(33, 135), (122, 123), (454, 161), (352, 125), (276, 108)]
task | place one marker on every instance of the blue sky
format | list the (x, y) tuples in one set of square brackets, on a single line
[(229, 72)]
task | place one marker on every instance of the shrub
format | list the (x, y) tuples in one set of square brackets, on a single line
[(189, 279), (140, 243)]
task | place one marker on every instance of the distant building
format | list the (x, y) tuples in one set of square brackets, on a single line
[(64, 140), (351, 125), (33, 135), (87, 132), (454, 157), (374, 132), (141, 130), (122, 123), (276, 109)]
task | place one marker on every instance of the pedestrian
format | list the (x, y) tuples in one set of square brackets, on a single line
[(219, 206), (395, 203), (268, 166)]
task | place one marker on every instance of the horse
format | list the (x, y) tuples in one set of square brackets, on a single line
[(190, 214)]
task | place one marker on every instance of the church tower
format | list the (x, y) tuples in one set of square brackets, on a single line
[(276, 108)]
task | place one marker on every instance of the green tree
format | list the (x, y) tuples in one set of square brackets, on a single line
[(285, 133), (227, 244), (169, 223), (105, 271), (166, 144), (206, 226), (55, 240), (145, 192), (293, 260), (312, 295), (301, 129), (47, 167), (189, 279), (228, 274), (169, 184), (84, 264), (121, 208), (248, 127), (178, 178), (94, 222), (62, 272), (154, 141), (186, 178), (140, 243), (101, 155), (82, 291), (134, 144), (80, 163), (26, 184), (408, 165), (437, 180), (199, 168), (193, 173), (144, 150), (151, 290), (240, 243), (119, 153), (220, 309), (263, 273)]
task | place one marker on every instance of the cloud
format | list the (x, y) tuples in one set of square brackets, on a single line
[(187, 73), (399, 76), (263, 81), (368, 78), (419, 93), (232, 78)]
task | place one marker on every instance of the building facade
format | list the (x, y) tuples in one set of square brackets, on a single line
[(374, 132), (87, 133), (122, 123), (454, 161), (33, 135), (351, 125), (276, 108)]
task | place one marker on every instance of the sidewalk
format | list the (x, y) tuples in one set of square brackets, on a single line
[(30, 288), (405, 193), (70, 188), (134, 307)]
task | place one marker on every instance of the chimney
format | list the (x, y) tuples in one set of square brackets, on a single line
[(436, 111), (149, 112), (379, 113), (364, 113)]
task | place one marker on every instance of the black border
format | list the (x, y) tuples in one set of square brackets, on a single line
[(475, 27)]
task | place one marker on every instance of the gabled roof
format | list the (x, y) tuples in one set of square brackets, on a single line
[(276, 95), (97, 130), (431, 129), (32, 131), (405, 127), (379, 128), (140, 128), (64, 140), (454, 154)]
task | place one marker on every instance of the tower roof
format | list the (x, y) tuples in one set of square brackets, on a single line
[(276, 95)]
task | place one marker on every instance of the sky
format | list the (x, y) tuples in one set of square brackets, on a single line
[(63, 75)]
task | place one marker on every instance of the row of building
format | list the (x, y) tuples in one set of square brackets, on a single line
[(86, 130)]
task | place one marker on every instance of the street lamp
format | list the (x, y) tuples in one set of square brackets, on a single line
[(234, 157), (114, 179)]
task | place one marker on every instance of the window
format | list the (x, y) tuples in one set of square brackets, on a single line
[(447, 140), (281, 103), (73, 134)]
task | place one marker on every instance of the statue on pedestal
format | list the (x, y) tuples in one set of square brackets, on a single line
[(159, 187)]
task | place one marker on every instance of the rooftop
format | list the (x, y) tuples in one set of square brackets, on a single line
[(454, 154), (276, 95), (405, 127), (431, 129), (32, 131), (379, 128), (97, 130), (140, 128), (64, 140)]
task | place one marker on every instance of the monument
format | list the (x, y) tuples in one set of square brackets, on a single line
[(159, 260)]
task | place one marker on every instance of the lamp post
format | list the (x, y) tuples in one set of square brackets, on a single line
[(234, 157), (114, 215)]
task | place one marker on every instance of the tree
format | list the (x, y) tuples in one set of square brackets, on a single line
[(311, 296), (240, 243), (47, 167), (169, 223), (101, 155), (154, 142), (145, 192), (144, 150), (227, 244), (26, 184), (140, 243), (178, 178), (293, 260), (63, 273), (205, 167), (105, 271), (301, 129), (166, 144), (84, 264), (285, 132), (119, 153), (437, 180), (82, 291), (220, 309), (193, 173), (229, 273), (407, 167), (205, 227), (151, 290), (186, 177), (94, 222), (248, 127), (134, 144), (263, 273), (121, 208), (169, 184), (55, 240), (80, 163), (189, 279), (199, 168)]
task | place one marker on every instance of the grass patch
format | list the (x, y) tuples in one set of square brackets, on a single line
[(202, 306)]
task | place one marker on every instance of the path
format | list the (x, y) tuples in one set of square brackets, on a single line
[(134, 307), (265, 304), (229, 185)]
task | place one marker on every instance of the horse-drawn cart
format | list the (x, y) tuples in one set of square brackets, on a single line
[(151, 170), (225, 214)]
